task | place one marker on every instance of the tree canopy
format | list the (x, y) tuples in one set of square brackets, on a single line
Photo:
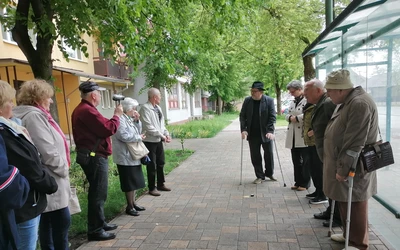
[(223, 45)]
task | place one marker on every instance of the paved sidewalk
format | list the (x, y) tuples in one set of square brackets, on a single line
[(208, 209)]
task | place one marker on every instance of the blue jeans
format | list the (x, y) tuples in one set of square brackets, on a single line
[(28, 234), (97, 175), (53, 229)]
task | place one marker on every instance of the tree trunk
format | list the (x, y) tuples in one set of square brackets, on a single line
[(219, 104), (309, 71), (40, 58), (278, 99)]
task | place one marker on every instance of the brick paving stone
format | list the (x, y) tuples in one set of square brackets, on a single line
[(208, 209), (198, 244), (180, 244)]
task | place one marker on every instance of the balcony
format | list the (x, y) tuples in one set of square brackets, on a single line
[(106, 67)]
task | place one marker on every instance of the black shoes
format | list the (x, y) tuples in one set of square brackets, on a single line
[(335, 223), (100, 236), (318, 200), (322, 216), (109, 227), (139, 208), (312, 195), (131, 211)]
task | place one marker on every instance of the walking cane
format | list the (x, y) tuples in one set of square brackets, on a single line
[(331, 218), (279, 161), (241, 161), (350, 179)]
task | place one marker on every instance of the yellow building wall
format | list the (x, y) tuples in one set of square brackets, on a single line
[(23, 72), (68, 97)]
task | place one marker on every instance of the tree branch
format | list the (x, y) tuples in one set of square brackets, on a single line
[(259, 58)]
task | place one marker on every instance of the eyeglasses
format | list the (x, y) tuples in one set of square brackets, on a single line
[(255, 91)]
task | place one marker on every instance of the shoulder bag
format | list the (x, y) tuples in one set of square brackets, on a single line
[(73, 205), (137, 149), (377, 155)]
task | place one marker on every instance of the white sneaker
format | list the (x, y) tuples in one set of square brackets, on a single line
[(338, 238), (257, 181), (350, 248)]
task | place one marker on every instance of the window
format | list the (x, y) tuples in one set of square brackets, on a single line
[(72, 53), (173, 101), (105, 99), (7, 35), (184, 102)]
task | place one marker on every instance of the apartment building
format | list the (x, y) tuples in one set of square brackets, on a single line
[(177, 104)]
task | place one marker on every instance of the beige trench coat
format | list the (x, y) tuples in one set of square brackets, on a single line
[(353, 125)]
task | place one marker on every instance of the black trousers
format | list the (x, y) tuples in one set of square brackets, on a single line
[(315, 166), (300, 161), (97, 175), (336, 212), (256, 158), (156, 165)]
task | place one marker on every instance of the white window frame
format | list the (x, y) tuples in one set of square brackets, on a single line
[(7, 35), (75, 54)]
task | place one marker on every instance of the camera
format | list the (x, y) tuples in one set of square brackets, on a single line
[(118, 98)]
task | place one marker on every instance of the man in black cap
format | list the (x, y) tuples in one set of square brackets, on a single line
[(257, 119), (92, 133)]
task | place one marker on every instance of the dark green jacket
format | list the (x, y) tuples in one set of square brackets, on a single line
[(322, 114)]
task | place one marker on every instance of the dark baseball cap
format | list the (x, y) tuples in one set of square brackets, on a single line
[(89, 86)]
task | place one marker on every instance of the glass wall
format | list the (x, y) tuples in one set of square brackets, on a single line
[(370, 50)]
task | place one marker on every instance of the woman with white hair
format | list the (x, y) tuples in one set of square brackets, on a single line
[(294, 137), (130, 170)]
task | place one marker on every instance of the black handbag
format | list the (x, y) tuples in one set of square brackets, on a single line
[(377, 155)]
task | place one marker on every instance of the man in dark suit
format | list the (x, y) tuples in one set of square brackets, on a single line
[(257, 120)]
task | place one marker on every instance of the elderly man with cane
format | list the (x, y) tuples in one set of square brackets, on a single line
[(315, 93), (257, 119), (353, 125)]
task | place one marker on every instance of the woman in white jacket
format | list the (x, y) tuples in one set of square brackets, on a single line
[(34, 99), (294, 137), (130, 170)]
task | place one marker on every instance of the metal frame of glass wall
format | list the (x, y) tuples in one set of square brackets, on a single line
[(365, 39)]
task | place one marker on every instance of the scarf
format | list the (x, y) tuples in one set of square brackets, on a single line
[(58, 129)]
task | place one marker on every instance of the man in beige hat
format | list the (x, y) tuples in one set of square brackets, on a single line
[(353, 125)]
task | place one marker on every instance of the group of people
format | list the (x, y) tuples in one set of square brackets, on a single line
[(329, 124), (35, 159), (34, 146), (93, 133)]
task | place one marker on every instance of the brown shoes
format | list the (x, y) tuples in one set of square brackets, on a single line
[(154, 192), (298, 188), (163, 188)]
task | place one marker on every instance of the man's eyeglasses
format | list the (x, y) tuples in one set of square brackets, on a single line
[(255, 91)]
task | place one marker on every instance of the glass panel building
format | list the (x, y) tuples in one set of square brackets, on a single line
[(365, 39)]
